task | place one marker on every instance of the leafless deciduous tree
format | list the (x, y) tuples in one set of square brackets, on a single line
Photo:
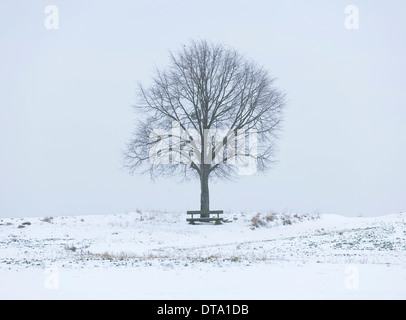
[(193, 120)]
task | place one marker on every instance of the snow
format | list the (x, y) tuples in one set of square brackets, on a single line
[(157, 255)]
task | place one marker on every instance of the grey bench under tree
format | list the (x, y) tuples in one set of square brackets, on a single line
[(205, 216)]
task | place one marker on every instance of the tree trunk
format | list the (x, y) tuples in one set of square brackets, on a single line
[(204, 190)]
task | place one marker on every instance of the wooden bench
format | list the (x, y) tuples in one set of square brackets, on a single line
[(209, 214)]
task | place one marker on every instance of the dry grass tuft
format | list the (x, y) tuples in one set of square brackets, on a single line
[(275, 219), (257, 221), (122, 256), (47, 219)]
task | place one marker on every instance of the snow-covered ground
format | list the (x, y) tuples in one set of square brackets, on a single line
[(156, 255)]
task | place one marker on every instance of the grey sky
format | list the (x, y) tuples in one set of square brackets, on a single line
[(65, 98)]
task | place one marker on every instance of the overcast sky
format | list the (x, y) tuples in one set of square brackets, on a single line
[(66, 96)]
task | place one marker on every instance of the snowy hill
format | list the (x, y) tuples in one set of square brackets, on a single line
[(155, 255)]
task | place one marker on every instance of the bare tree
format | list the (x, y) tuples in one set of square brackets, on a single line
[(196, 115)]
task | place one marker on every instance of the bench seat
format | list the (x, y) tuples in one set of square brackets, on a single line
[(217, 219)]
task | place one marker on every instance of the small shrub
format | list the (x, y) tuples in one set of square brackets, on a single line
[(256, 221), (71, 248), (270, 217), (47, 219), (286, 221)]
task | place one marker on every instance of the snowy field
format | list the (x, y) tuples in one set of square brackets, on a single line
[(155, 255)]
